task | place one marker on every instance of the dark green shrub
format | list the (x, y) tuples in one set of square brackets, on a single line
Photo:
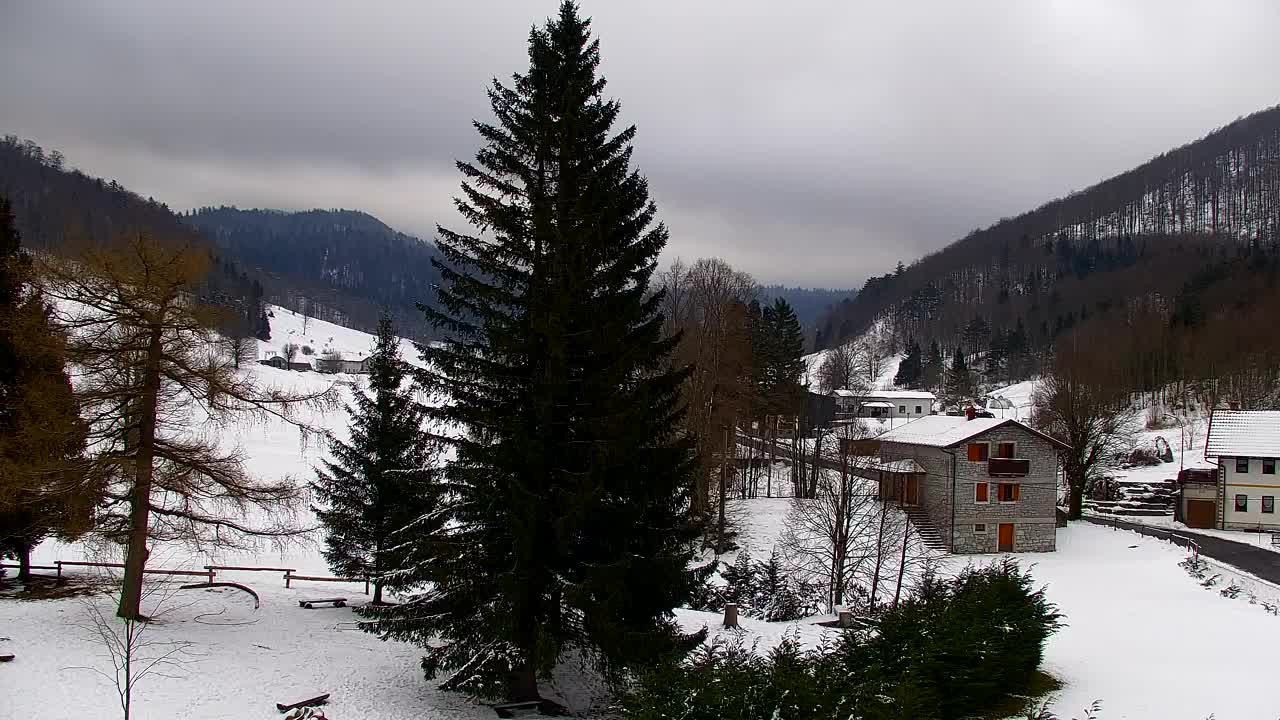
[(956, 648)]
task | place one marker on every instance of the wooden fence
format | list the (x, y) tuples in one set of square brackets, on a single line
[(209, 572)]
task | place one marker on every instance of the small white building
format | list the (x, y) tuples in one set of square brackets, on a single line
[(1246, 446), (883, 403)]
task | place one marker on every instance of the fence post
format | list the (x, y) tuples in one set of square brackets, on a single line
[(286, 578), (366, 584)]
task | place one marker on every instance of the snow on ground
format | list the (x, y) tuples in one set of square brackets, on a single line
[(287, 327), (1145, 638), (1141, 634), (241, 662)]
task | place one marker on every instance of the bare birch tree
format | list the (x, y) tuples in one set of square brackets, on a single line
[(153, 385)]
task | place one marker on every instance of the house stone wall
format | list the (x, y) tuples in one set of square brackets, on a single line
[(1032, 515)]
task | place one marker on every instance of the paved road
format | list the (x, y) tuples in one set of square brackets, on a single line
[(1250, 558)]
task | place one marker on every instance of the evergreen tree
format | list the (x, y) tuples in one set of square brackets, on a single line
[(567, 496), (44, 487), (911, 369), (933, 367), (777, 346), (959, 380), (382, 480)]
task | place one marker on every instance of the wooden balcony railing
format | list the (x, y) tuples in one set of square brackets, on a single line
[(1008, 467)]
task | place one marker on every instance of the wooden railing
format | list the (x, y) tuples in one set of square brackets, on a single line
[(1008, 467)]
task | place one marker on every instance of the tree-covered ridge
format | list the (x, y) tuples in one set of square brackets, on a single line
[(339, 265), (1187, 240)]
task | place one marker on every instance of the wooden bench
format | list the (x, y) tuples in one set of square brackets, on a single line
[(336, 602), (508, 710)]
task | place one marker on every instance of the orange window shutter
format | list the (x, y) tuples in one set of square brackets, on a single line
[(1015, 491), (982, 492), (973, 452)]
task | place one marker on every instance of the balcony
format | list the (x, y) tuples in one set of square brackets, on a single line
[(1008, 467)]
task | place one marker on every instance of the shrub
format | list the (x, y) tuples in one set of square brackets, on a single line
[(955, 649), (306, 350)]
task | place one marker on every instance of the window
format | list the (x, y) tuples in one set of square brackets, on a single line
[(980, 492), (980, 527), (917, 409), (1242, 465), (978, 452), (1268, 504), (1269, 466), (1008, 492), (1242, 503), (902, 409), (1005, 450)]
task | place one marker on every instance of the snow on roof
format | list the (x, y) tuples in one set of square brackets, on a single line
[(877, 403), (1243, 433), (896, 466), (941, 430), (901, 394), (885, 394)]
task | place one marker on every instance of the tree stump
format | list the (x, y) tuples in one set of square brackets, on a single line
[(731, 615)]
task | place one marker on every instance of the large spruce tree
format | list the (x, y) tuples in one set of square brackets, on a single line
[(382, 480), (567, 494)]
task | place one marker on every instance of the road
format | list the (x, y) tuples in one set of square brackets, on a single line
[(1250, 558)]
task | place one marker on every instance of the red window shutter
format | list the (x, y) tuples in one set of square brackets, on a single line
[(1015, 491), (981, 492), (974, 452)]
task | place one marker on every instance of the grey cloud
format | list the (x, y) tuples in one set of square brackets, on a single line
[(810, 142)]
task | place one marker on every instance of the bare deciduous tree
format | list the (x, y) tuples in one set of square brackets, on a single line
[(842, 537), (132, 651), (1081, 402), (839, 369), (707, 304), (150, 380)]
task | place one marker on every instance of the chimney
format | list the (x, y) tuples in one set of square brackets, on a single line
[(970, 413)]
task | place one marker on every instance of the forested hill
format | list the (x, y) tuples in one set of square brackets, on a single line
[(339, 265), (57, 208), (1192, 235)]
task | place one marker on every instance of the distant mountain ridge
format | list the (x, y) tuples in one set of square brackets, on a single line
[(339, 265), (1192, 231)]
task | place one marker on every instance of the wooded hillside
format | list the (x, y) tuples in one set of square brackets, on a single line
[(1181, 247)]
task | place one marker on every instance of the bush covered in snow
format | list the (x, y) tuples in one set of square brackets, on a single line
[(763, 590), (957, 648)]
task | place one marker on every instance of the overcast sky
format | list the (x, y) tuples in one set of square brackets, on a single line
[(806, 142)]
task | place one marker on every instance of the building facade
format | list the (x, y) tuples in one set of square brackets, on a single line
[(883, 404), (1245, 444), (985, 484)]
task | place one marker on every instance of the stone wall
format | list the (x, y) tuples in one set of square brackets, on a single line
[(1032, 515)]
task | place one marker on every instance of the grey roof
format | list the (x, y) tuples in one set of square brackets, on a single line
[(1244, 433)]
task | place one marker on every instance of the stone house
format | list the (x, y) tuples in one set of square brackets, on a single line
[(977, 484), (1246, 446)]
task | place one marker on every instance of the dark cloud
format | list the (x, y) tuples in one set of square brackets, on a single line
[(805, 142)]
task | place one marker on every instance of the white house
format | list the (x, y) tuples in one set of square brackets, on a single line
[(883, 403), (1246, 446)]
